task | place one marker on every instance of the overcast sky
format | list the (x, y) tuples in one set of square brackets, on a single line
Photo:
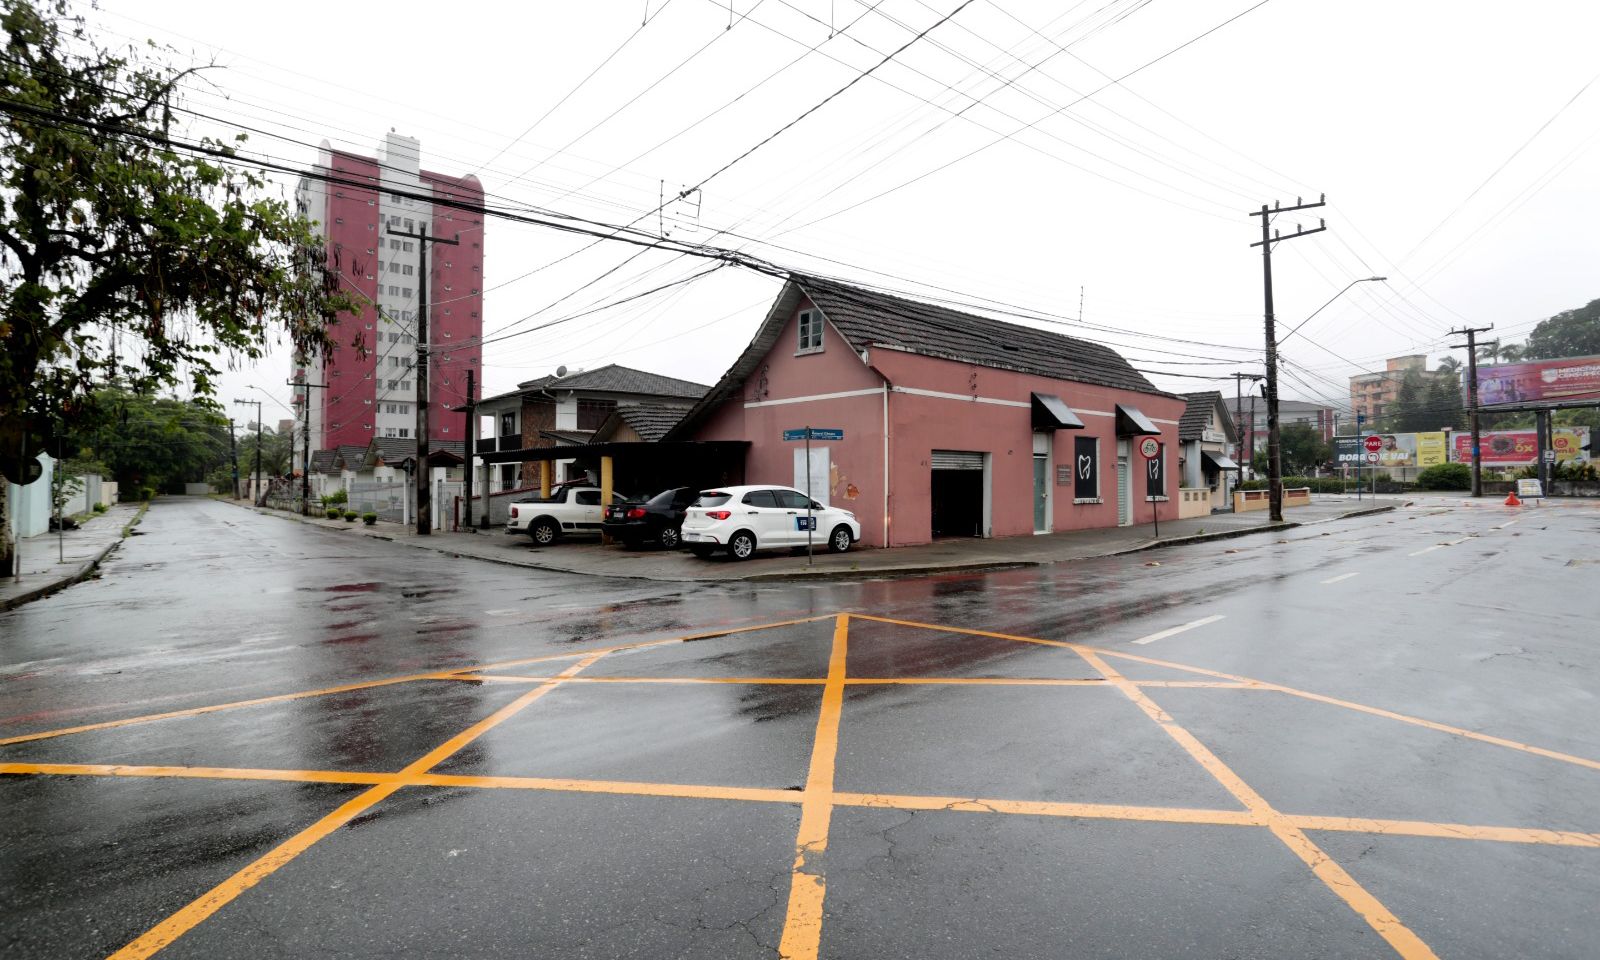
[(1136, 196)]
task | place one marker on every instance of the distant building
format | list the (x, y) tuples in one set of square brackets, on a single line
[(374, 396), (1253, 430)]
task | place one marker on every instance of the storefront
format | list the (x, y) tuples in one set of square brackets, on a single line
[(947, 423)]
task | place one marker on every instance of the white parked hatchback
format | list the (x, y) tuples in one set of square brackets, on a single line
[(742, 520)]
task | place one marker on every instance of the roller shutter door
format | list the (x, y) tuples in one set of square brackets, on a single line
[(956, 460)]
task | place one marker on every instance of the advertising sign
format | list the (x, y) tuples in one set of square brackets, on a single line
[(1520, 448), (1432, 448), (1538, 380), (1348, 451), (1085, 468), (1155, 472)]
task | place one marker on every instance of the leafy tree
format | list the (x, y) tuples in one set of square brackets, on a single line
[(1570, 333), (1409, 402), (1302, 450), (1445, 408), (150, 441), (126, 254)]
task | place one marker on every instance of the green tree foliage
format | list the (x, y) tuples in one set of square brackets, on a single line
[(1570, 333), (1302, 450), (151, 441), (1445, 408), (1408, 404), (127, 256)]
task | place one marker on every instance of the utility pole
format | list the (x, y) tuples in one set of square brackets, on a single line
[(424, 491), (472, 443), (1268, 238), (1238, 412), (1471, 345), (233, 447), (305, 443), (256, 493)]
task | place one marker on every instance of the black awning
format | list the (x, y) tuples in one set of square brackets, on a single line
[(1219, 461), (1049, 413), (1131, 422)]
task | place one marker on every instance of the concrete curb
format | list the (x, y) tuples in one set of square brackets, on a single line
[(980, 566), (78, 575)]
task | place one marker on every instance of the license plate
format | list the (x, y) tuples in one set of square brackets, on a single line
[(692, 536)]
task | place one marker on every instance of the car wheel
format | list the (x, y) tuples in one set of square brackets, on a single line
[(742, 545), (839, 539), (544, 533), (704, 553), (669, 538)]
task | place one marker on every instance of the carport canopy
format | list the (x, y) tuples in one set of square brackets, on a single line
[(1218, 460), (1131, 422), (1050, 413)]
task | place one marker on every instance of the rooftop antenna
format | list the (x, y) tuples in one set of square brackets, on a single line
[(1080, 303), (561, 371)]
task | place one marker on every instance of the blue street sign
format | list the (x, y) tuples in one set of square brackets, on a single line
[(817, 433), (1360, 419)]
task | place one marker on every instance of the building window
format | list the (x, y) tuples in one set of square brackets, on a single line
[(411, 226), (405, 292), (408, 269), (810, 331), (508, 424), (405, 432), (405, 246)]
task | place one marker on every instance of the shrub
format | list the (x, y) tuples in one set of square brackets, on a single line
[(100, 508), (337, 496), (350, 516), (1317, 484), (1445, 476), (147, 493), (334, 513), (369, 518)]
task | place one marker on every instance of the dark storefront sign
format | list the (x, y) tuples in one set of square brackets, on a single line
[(1085, 468), (1155, 471)]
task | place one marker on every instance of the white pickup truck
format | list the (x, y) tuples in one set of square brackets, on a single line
[(572, 509)]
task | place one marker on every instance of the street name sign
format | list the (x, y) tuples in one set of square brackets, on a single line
[(813, 433)]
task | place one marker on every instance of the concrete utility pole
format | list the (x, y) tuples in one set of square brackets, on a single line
[(1238, 414), (424, 491), (1268, 238), (305, 444), (471, 444), (1471, 346), (256, 493), (233, 447)]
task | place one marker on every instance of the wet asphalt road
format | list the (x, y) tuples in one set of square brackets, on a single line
[(1100, 811)]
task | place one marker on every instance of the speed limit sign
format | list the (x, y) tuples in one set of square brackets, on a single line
[(1150, 448)]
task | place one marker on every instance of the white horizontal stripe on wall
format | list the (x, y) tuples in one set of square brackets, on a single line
[(870, 392)]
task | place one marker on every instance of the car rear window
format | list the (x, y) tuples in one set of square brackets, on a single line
[(713, 498), (761, 498), (662, 499)]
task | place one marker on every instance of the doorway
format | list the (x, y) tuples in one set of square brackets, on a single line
[(1124, 486), (1041, 482), (957, 493)]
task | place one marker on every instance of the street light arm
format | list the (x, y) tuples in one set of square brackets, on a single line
[(1336, 296)]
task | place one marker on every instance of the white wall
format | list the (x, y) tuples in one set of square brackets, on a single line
[(28, 507)]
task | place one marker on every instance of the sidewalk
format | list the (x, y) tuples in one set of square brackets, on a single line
[(589, 558), (43, 570)]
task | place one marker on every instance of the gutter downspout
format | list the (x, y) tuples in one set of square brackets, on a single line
[(886, 463)]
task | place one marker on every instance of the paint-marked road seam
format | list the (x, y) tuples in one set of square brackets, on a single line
[(1174, 631), (1000, 806), (802, 923), (1425, 550), (1340, 577), (164, 933), (1388, 926)]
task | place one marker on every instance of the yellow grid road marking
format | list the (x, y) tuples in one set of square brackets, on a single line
[(175, 926), (802, 924), (409, 678), (1388, 926), (995, 805)]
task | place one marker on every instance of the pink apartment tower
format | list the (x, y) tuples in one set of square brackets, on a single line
[(364, 198)]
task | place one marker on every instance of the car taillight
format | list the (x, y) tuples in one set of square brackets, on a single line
[(718, 514), (513, 513), (636, 514)]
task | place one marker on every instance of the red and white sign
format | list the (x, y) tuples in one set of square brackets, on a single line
[(1373, 443), (1150, 448)]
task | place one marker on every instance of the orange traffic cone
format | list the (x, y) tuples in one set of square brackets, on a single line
[(1512, 501)]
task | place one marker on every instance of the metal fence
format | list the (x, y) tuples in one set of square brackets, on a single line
[(390, 501)]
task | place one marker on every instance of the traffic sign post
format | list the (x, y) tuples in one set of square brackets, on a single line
[(1373, 443), (1150, 448), (809, 434)]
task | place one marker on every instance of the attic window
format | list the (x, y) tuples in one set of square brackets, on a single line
[(810, 331)]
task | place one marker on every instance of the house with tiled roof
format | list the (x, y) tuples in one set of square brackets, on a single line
[(566, 408), (941, 420), (1206, 459)]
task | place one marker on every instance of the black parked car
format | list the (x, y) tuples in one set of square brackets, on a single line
[(658, 519)]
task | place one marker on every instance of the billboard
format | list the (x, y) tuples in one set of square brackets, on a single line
[(1519, 448), (1539, 380), (1398, 450)]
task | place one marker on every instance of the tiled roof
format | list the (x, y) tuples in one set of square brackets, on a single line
[(614, 378), (350, 456), (575, 437), (322, 461), (867, 318), (651, 421), (395, 450), (1197, 415)]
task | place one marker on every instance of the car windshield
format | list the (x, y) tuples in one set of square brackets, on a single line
[(713, 498)]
